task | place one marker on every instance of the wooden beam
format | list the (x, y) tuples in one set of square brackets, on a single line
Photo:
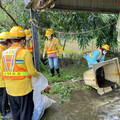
[(35, 41), (28, 3)]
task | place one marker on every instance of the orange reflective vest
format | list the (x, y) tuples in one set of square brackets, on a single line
[(11, 71), (2, 47), (100, 53), (50, 48), (30, 47)]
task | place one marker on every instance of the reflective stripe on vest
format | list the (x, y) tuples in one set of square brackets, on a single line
[(30, 48), (51, 51), (15, 73), (10, 74), (50, 46), (12, 61), (100, 53)]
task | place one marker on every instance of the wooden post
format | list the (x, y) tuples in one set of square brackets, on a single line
[(35, 42), (64, 46)]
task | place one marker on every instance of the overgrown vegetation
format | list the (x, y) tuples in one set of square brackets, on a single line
[(17, 10), (66, 22), (71, 74), (72, 69), (75, 23)]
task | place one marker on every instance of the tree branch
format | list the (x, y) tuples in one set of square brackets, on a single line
[(7, 13)]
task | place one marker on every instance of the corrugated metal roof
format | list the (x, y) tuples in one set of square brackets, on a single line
[(108, 6), (111, 6)]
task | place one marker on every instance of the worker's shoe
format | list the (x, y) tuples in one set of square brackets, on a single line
[(7, 116), (52, 72), (58, 72), (59, 75)]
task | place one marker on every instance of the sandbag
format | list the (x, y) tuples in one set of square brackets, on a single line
[(41, 102)]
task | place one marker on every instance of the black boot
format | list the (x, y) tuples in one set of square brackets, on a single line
[(52, 72), (58, 72)]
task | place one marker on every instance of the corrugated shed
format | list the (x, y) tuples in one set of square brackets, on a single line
[(108, 6)]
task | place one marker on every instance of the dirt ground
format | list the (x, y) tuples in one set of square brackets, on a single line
[(86, 105)]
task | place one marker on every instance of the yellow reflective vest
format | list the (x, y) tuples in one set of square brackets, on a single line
[(2, 48), (54, 46), (24, 86), (29, 46)]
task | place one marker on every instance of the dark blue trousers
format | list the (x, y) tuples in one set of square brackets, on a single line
[(4, 106), (22, 106)]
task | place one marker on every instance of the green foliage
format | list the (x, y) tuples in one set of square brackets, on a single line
[(63, 90), (18, 11), (64, 85), (80, 22), (42, 67), (86, 87), (69, 72), (64, 75), (66, 22), (69, 52)]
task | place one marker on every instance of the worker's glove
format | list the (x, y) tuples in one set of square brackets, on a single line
[(34, 79), (64, 55), (43, 56)]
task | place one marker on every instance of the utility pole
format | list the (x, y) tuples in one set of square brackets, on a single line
[(36, 49)]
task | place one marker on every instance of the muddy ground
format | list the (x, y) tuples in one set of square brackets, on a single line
[(86, 105)]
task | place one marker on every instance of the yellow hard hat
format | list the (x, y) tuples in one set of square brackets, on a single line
[(27, 32), (49, 32), (4, 36), (106, 47), (17, 32)]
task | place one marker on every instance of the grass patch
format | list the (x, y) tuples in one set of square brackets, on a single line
[(73, 69), (70, 69), (68, 52), (86, 87), (64, 76), (63, 91)]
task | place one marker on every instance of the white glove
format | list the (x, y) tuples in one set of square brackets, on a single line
[(43, 56), (64, 55)]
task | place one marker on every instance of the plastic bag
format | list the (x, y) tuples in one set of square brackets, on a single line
[(41, 102)]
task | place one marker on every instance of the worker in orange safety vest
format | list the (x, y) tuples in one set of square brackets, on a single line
[(29, 42), (53, 49), (4, 106), (18, 69), (97, 55)]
